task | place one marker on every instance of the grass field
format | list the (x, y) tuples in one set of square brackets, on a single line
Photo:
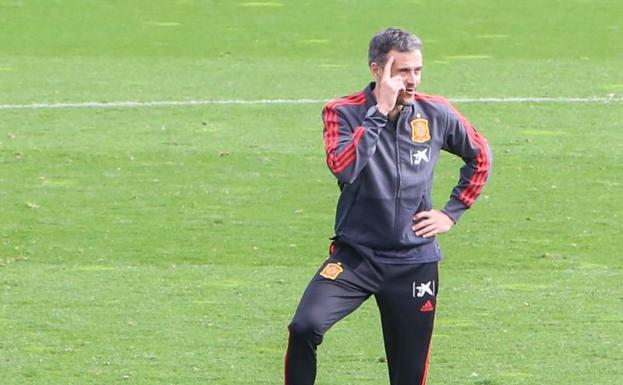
[(170, 245)]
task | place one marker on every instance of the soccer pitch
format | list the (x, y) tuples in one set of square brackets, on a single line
[(170, 243)]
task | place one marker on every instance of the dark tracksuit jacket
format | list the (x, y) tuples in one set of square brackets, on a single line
[(385, 171)]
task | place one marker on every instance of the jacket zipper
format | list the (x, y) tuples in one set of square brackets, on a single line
[(398, 174)]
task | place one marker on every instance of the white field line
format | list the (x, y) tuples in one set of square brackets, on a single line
[(207, 102)]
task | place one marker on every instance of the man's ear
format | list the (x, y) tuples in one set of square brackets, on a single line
[(376, 71)]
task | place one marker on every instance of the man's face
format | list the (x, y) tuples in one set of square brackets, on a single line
[(409, 66)]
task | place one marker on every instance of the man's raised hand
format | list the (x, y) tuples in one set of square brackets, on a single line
[(389, 88)]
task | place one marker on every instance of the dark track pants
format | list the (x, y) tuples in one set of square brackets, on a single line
[(406, 298)]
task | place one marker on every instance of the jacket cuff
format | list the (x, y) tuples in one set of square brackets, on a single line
[(379, 119), (455, 209)]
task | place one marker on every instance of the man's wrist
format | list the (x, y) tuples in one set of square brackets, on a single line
[(449, 216), (383, 111), (374, 112)]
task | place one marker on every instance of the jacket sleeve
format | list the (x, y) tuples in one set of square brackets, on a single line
[(464, 141), (350, 142)]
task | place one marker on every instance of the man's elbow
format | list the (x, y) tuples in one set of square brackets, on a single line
[(345, 177)]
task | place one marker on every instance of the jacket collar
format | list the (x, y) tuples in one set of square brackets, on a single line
[(368, 91)]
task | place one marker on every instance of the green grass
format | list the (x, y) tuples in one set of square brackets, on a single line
[(171, 245)]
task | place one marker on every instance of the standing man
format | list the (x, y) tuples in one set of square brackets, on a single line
[(382, 145)]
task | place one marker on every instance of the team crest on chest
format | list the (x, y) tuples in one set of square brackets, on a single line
[(419, 130)]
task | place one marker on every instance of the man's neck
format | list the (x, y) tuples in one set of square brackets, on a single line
[(393, 114)]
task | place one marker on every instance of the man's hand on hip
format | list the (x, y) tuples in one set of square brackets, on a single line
[(432, 222)]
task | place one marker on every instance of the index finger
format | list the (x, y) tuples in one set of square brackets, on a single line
[(387, 70)]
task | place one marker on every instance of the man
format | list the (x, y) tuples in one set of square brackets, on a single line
[(382, 145)]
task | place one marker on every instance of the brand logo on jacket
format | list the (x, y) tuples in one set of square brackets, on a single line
[(419, 156), (419, 130)]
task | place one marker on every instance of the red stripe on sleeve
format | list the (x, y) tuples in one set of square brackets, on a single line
[(477, 181), (347, 156), (331, 117), (483, 162), (339, 162)]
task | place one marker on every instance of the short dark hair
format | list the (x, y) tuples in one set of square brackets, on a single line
[(391, 38)]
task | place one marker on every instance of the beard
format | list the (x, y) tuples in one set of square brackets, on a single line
[(405, 100)]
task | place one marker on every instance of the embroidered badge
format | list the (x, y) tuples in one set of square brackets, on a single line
[(331, 271), (419, 130)]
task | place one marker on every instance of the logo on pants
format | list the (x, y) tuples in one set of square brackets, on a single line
[(428, 306), (423, 289)]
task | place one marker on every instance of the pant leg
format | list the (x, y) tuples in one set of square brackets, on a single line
[(407, 303), (327, 299)]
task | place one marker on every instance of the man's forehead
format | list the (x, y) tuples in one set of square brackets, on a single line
[(409, 59)]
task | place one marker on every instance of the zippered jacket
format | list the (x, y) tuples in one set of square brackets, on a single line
[(385, 171)]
